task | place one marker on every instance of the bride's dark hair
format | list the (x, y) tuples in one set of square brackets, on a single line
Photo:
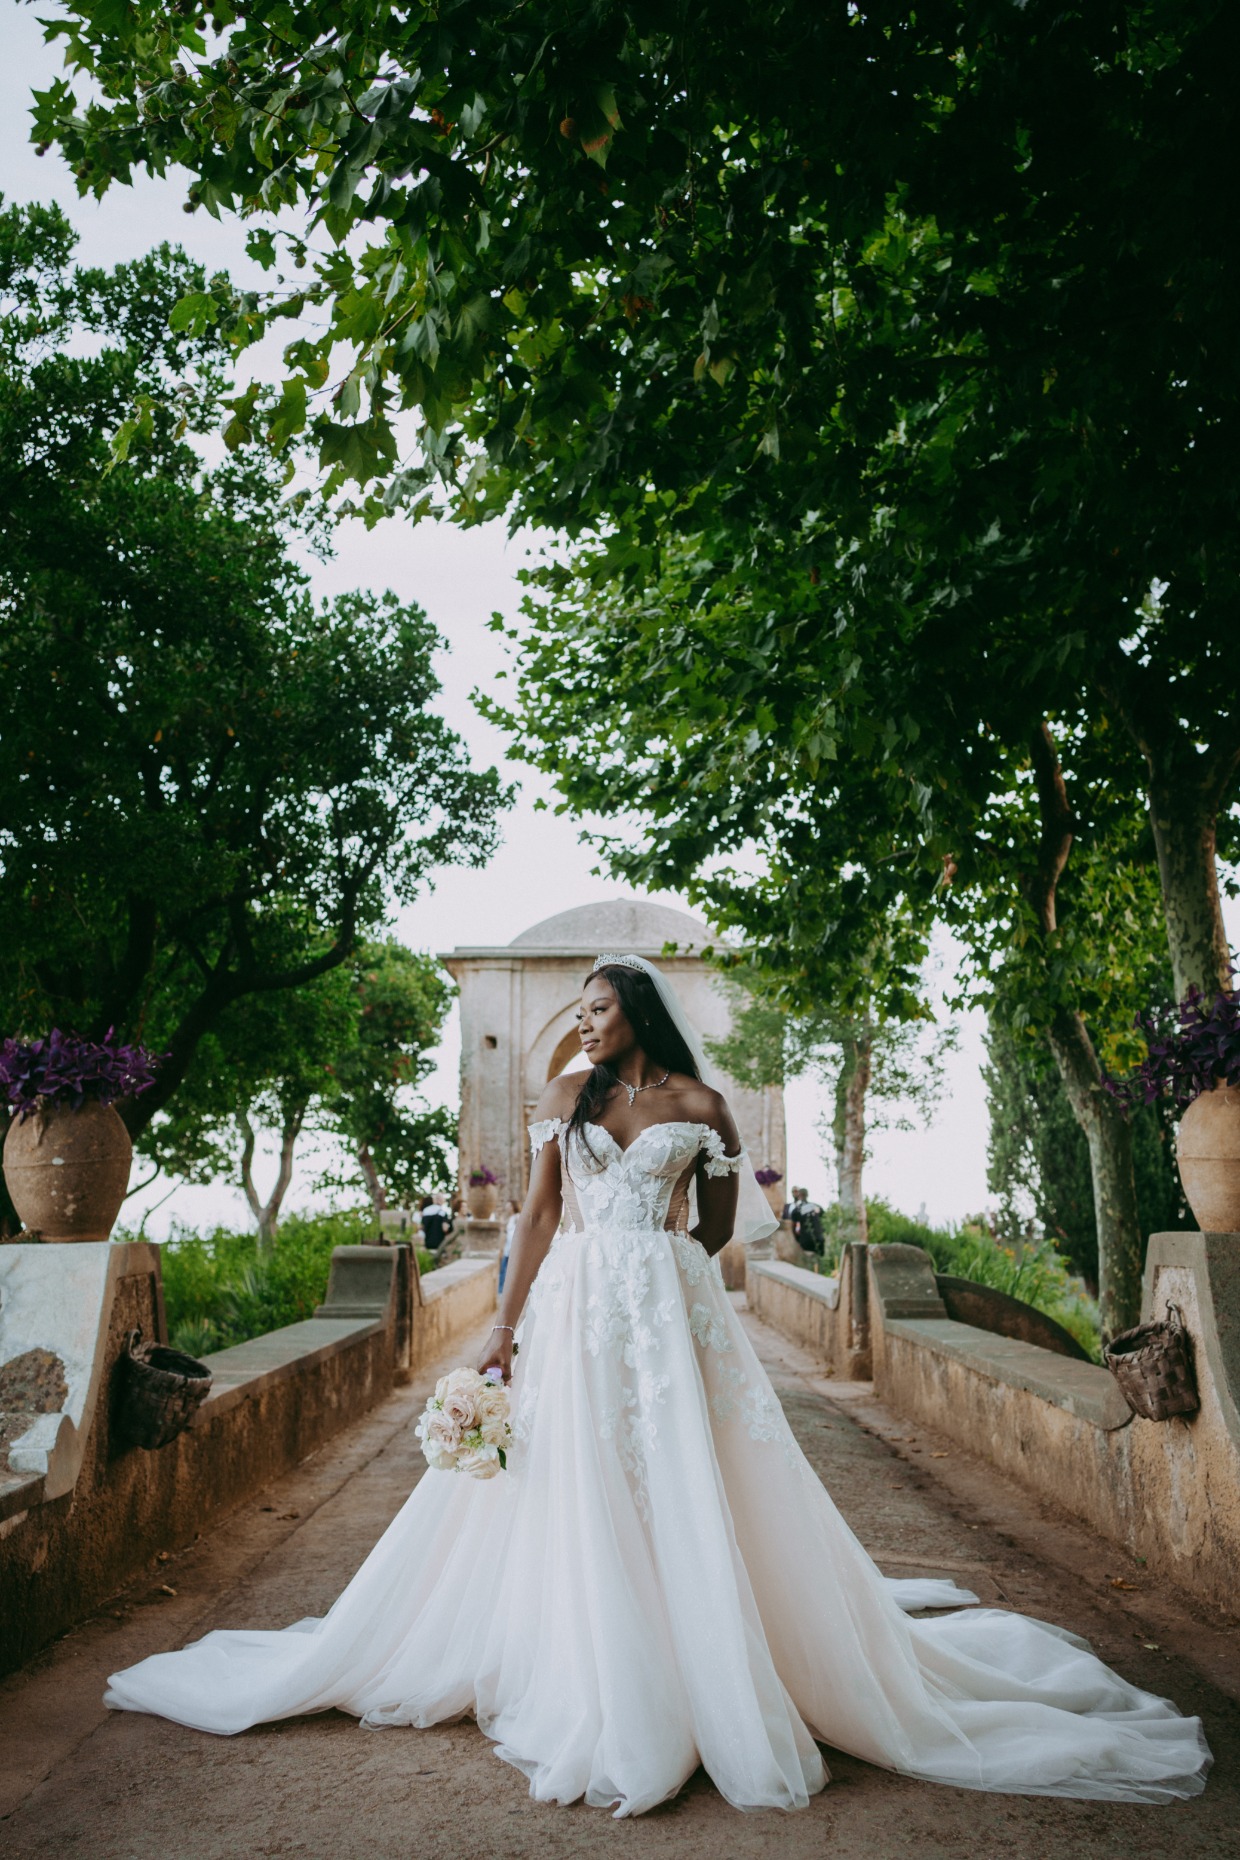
[(655, 1031)]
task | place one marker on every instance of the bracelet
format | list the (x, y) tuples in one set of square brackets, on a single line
[(508, 1327)]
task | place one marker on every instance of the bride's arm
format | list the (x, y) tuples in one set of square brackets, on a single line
[(536, 1228), (717, 1190)]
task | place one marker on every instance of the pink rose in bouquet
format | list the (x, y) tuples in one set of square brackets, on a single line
[(465, 1425)]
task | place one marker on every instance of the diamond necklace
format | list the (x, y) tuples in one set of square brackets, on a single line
[(653, 1086)]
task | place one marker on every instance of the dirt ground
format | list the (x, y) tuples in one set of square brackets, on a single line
[(78, 1781)]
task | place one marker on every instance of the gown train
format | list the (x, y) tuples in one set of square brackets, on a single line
[(660, 1580)]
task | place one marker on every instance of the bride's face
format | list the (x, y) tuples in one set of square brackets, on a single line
[(605, 1033)]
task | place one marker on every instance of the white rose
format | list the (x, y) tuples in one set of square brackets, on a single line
[(438, 1458), (492, 1401), (443, 1431), (459, 1408), (479, 1462), (459, 1381)]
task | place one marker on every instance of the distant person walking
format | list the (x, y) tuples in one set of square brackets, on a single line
[(806, 1218), (510, 1234), (437, 1223)]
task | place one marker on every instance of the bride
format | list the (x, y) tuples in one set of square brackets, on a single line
[(659, 1579)]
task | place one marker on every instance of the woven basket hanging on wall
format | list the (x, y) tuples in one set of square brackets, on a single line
[(1154, 1368), (159, 1392)]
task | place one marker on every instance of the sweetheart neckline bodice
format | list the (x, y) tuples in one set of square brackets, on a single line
[(663, 1123), (634, 1184)]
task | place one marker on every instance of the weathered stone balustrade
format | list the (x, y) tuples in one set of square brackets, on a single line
[(1009, 1384), (829, 1316), (78, 1517), (1168, 1491)]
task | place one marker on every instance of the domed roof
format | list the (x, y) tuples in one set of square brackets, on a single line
[(622, 924)]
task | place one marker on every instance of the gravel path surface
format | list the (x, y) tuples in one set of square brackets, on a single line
[(77, 1781)]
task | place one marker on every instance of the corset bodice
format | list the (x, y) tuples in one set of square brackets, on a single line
[(645, 1185)]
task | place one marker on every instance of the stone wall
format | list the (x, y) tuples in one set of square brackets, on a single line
[(1167, 1491), (67, 1544), (457, 1300), (827, 1315)]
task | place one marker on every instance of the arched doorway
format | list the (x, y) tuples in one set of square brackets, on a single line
[(562, 1058), (519, 1029)]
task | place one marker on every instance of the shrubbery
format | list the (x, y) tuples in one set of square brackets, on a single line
[(219, 1289), (1032, 1270)]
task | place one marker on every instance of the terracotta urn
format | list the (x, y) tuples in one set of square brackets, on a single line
[(481, 1199), (68, 1170), (1208, 1152)]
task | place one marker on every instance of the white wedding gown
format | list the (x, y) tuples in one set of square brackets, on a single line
[(660, 1580)]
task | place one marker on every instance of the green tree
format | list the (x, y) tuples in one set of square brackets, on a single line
[(267, 1064), (342, 1057), (211, 786), (890, 356), (400, 1002), (1038, 1156), (925, 314), (878, 1073), (663, 721)]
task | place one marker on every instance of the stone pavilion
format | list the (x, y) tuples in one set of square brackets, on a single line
[(518, 1029)]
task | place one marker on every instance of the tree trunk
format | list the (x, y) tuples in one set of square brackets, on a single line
[(267, 1213), (366, 1162), (1121, 1245), (248, 1140), (288, 1138), (848, 1131), (221, 989), (1187, 784), (1184, 816)]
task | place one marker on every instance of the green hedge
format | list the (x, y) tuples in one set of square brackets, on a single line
[(1034, 1271), (219, 1289)]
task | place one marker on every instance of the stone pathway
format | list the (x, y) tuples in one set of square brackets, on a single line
[(76, 1781)]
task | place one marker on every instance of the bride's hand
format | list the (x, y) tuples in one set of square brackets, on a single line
[(497, 1354)]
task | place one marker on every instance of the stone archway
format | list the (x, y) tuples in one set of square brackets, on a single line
[(518, 1026), (569, 1048)]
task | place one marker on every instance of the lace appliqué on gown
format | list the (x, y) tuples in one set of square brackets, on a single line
[(648, 1587), (625, 1198), (718, 1162)]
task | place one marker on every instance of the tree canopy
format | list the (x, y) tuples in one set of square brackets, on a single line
[(880, 1072), (211, 785), (882, 363), (340, 1057), (399, 1145), (917, 325)]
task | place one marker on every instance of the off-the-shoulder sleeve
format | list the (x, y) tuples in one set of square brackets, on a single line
[(718, 1162), (543, 1132)]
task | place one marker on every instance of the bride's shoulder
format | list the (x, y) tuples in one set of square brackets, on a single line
[(702, 1104), (559, 1100)]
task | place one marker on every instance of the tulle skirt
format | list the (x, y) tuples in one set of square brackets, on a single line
[(660, 1580)]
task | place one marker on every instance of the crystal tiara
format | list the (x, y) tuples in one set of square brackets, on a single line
[(626, 962)]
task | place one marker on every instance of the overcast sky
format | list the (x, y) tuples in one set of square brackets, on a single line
[(460, 578)]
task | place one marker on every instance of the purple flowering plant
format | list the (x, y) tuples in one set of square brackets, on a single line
[(768, 1177), (483, 1178), (1190, 1049), (67, 1069)]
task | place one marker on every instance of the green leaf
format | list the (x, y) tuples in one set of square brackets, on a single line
[(194, 312), (290, 413), (359, 452), (605, 97)]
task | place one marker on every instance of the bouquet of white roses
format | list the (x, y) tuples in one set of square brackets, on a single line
[(465, 1426)]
